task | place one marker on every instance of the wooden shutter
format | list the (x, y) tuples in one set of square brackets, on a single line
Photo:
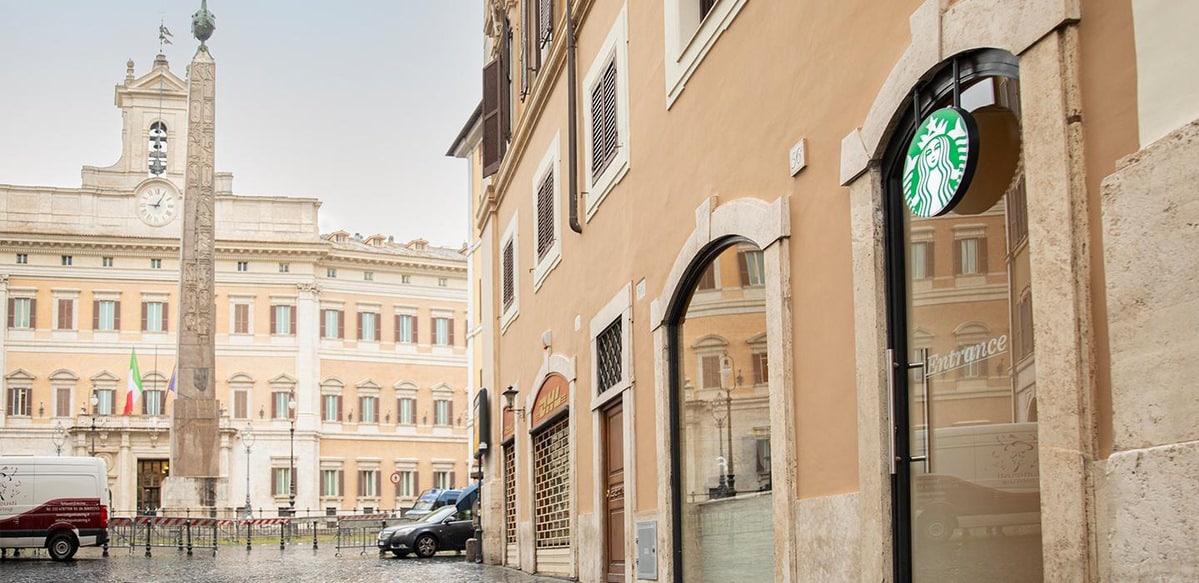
[(930, 260), (508, 286), (116, 315), (545, 215), (341, 323), (66, 314), (982, 255), (274, 322), (145, 308), (379, 483), (62, 407), (274, 406), (743, 265), (604, 131), (397, 329), (360, 316), (12, 311), (339, 414), (95, 314), (378, 327), (957, 257), (527, 58), (450, 326), (415, 483), (291, 317), (166, 316), (324, 332), (492, 140), (414, 321), (545, 23), (33, 313), (274, 484), (341, 482)]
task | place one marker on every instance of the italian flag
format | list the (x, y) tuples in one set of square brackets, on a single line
[(135, 383)]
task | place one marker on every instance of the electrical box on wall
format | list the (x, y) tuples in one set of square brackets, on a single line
[(647, 550)]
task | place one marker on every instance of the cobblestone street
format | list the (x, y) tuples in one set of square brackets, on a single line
[(297, 564)]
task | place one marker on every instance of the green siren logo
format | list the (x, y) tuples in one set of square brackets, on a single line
[(940, 162)]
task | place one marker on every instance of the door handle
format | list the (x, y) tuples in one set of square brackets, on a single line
[(927, 458), (891, 429)]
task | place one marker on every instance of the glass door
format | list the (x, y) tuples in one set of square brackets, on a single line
[(966, 379)]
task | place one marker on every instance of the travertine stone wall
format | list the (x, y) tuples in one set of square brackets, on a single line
[(1151, 233), (828, 539)]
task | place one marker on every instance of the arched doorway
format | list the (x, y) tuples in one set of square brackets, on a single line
[(966, 485)]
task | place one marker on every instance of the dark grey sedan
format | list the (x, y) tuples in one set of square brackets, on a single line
[(445, 529)]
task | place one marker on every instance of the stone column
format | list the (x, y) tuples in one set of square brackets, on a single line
[(195, 474)]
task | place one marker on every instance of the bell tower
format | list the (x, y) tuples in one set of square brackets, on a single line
[(153, 133)]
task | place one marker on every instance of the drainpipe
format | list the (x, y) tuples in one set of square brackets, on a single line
[(572, 115)]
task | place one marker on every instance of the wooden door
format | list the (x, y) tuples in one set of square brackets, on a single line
[(614, 492)]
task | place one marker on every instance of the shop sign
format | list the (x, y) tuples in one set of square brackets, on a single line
[(940, 162), (481, 439), (552, 398), (967, 355)]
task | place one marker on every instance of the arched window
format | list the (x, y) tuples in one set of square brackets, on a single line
[(158, 148)]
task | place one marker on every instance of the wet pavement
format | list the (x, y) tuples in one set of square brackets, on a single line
[(297, 564)]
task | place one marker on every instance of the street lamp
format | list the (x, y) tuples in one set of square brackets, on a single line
[(509, 395), (247, 441), (727, 484), (59, 438), (291, 471), (95, 400)]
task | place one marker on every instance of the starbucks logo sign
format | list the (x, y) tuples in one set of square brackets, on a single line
[(940, 162)]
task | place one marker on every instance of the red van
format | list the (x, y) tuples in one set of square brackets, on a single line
[(56, 503)]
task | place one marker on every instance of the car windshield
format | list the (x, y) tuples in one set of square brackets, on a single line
[(439, 515), (425, 502)]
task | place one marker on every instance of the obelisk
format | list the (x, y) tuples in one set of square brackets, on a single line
[(194, 480)]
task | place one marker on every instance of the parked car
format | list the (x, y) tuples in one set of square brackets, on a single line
[(444, 529), (431, 500)]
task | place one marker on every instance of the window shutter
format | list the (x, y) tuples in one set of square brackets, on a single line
[(604, 134), (930, 260), (397, 328), (508, 291), (116, 315), (378, 483), (378, 328), (360, 316), (758, 377), (982, 255), (274, 320), (95, 314), (505, 88), (291, 317), (33, 313), (63, 315), (145, 307), (957, 257), (12, 311), (324, 409), (545, 23), (450, 326), (274, 405), (743, 265), (341, 323), (527, 57), (341, 482), (166, 318), (339, 414), (414, 321), (492, 149), (416, 483), (545, 215), (274, 483), (324, 332)]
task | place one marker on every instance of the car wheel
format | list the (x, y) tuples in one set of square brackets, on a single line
[(400, 554), (62, 546), (426, 545), (937, 525)]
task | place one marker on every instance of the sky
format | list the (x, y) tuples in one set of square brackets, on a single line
[(353, 102)]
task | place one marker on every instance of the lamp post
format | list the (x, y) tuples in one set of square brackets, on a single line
[(95, 400), (59, 438), (291, 470), (727, 367), (247, 441)]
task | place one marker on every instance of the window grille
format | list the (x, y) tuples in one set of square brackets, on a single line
[(1017, 214), (545, 216), (608, 352), (510, 493), (509, 291), (551, 485), (604, 134)]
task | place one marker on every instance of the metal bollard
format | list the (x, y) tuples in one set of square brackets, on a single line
[(281, 533), (249, 533), (314, 535), (189, 538), (149, 527)]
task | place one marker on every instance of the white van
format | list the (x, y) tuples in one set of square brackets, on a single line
[(56, 503)]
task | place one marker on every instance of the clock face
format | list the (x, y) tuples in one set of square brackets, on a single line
[(157, 206)]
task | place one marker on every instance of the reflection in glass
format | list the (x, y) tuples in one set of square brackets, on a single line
[(724, 423), (975, 505)]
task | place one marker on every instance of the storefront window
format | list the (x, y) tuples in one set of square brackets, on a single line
[(722, 400)]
